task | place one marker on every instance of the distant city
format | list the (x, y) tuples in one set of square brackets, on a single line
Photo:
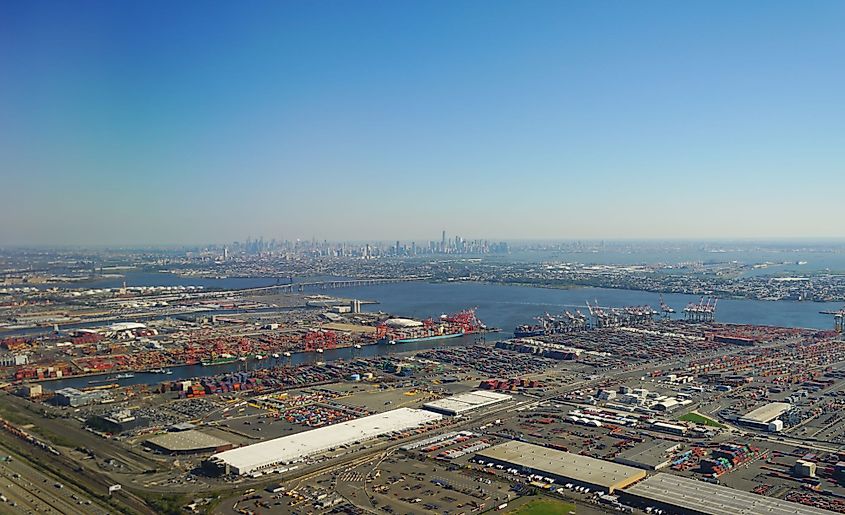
[(364, 250)]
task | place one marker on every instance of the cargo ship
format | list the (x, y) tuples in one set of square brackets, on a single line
[(111, 379), (405, 330), (165, 371), (224, 360), (527, 331), (425, 338)]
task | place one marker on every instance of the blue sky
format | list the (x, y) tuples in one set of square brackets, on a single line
[(206, 121)]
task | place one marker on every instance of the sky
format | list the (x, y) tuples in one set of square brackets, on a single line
[(209, 121)]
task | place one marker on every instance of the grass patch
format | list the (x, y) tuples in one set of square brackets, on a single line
[(544, 506), (166, 504), (700, 419)]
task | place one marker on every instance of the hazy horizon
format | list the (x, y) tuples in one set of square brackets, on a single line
[(166, 124), (787, 244)]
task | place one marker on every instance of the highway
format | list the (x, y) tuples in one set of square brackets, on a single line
[(29, 490)]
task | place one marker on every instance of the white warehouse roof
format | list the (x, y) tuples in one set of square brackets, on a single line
[(464, 402), (126, 326), (767, 413), (691, 496), (289, 449), (400, 323)]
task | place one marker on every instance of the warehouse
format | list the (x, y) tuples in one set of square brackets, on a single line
[(116, 422), (762, 416), (563, 466), (464, 402), (653, 455), (297, 447), (187, 442), (75, 398), (691, 497)]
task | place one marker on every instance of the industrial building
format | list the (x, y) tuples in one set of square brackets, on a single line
[(126, 326), (297, 447), (674, 429), (187, 442), (464, 402), (117, 422), (13, 360), (804, 468), (764, 417), (685, 496), (31, 391), (75, 398), (653, 455), (563, 466)]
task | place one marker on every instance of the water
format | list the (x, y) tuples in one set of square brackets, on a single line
[(507, 306), (819, 257)]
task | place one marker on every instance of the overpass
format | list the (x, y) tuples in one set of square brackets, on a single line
[(327, 285)]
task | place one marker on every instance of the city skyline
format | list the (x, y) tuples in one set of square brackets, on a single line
[(125, 124)]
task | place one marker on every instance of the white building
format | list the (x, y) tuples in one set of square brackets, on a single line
[(13, 360), (464, 402), (267, 455)]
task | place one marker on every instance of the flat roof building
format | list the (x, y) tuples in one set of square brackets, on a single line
[(653, 455), (297, 447), (692, 497), (116, 422), (563, 466), (464, 402), (760, 417), (74, 398), (187, 442)]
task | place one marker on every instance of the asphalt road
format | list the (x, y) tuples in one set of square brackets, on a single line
[(33, 491)]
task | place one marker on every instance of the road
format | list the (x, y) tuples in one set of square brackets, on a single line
[(33, 491)]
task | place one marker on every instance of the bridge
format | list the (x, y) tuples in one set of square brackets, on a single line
[(327, 285)]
